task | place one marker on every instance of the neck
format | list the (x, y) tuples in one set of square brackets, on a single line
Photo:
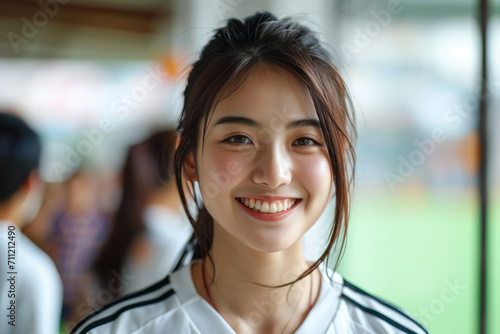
[(9, 217), (9, 210), (243, 286)]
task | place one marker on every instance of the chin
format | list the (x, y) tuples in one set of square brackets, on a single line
[(271, 245)]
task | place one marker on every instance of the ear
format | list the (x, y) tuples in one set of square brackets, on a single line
[(33, 182), (189, 168)]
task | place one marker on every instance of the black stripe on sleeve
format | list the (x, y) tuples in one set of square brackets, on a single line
[(392, 307), (379, 315), (144, 291), (126, 308)]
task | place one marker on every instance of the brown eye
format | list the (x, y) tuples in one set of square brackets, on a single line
[(305, 141), (238, 140)]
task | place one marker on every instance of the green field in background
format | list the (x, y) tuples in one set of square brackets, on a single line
[(410, 248), (494, 265)]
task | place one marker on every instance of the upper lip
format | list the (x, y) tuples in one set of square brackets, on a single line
[(269, 198)]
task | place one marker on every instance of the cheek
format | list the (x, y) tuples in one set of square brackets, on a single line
[(223, 162), (221, 169), (316, 175)]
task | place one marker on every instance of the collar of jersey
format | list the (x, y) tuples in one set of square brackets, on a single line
[(205, 317)]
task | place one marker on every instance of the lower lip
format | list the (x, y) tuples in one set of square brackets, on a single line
[(270, 217)]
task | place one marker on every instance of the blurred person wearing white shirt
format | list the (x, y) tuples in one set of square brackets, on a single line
[(30, 288)]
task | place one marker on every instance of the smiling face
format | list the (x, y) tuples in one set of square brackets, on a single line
[(264, 152)]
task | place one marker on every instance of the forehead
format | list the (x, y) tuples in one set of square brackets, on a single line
[(267, 91)]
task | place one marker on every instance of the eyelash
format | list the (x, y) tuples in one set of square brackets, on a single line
[(315, 143)]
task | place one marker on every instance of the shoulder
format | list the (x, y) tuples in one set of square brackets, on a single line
[(367, 312), (42, 271), (136, 311), (40, 292)]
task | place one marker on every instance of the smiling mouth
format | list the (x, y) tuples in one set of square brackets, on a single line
[(268, 207)]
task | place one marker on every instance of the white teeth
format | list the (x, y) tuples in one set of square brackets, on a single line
[(273, 208), (265, 207), (262, 206)]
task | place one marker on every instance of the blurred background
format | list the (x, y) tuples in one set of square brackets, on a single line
[(95, 77)]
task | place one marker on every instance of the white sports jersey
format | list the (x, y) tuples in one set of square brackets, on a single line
[(174, 306)]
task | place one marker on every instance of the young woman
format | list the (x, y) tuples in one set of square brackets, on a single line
[(267, 134)]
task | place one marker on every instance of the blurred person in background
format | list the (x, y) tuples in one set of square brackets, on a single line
[(53, 202), (31, 298), (77, 234), (150, 228)]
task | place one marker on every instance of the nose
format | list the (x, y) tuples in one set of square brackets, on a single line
[(273, 167)]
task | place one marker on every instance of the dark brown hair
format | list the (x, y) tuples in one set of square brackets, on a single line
[(148, 166), (226, 61), (20, 151)]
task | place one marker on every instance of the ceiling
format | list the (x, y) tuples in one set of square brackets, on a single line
[(84, 29), (145, 29)]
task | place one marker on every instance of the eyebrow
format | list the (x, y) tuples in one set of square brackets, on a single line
[(250, 122)]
